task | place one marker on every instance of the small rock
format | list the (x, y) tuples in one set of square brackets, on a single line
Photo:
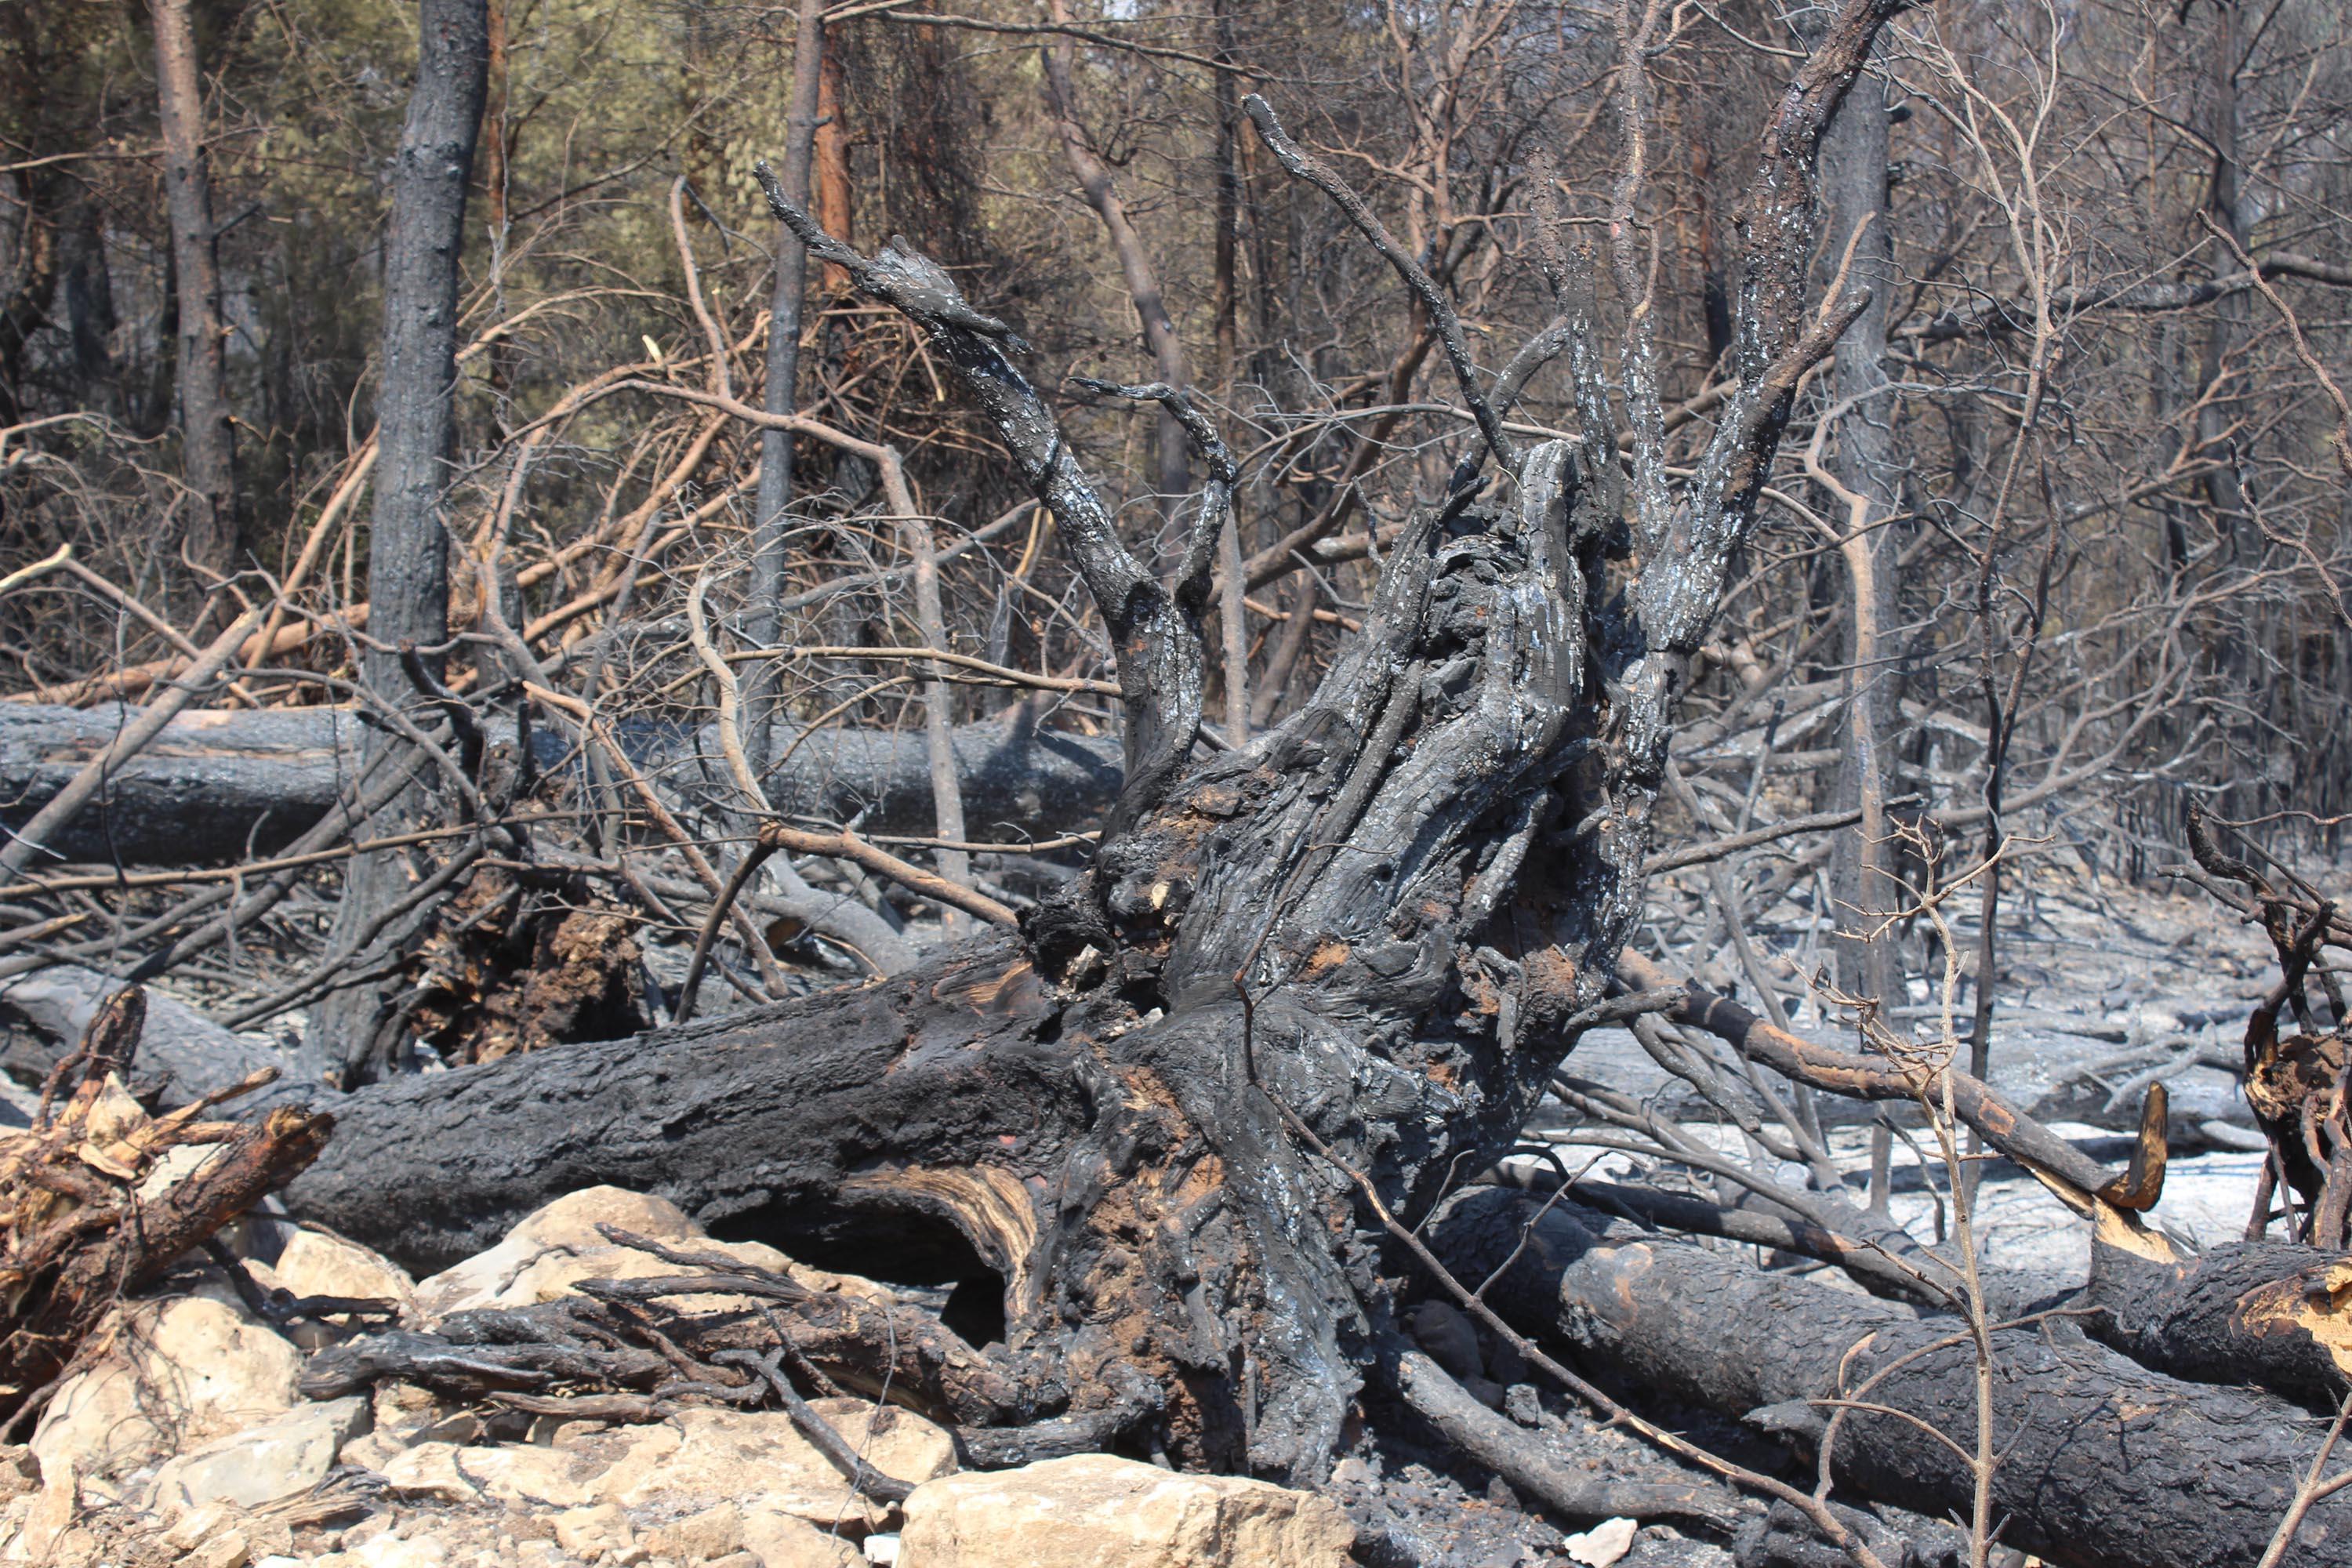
[(269, 1537), (389, 1550), (262, 1464), (191, 1528), (881, 1548), (49, 1518), (315, 1264), (180, 1162), (371, 1450), (185, 1371), (699, 1538), (782, 1541), (77, 1548), (592, 1532), (1485, 1390), (1603, 1544), (1448, 1338), (227, 1549), (1097, 1511)]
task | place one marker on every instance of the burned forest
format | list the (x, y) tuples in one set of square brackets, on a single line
[(1429, 785)]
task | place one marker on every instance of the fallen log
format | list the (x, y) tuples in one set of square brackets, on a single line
[(216, 785), (2102, 1463), (918, 1104), (183, 1055)]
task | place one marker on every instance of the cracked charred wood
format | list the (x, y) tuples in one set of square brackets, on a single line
[(2272, 1313), (217, 784), (1384, 923), (2102, 1463)]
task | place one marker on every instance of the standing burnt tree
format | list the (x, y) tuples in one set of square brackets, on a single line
[(1355, 949)]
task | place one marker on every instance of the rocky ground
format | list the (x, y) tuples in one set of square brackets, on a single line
[(183, 1436), (186, 1439)]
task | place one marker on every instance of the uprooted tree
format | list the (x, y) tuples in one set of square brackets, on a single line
[(1354, 949)]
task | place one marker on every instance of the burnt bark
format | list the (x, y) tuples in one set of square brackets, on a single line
[(781, 392), (408, 547), (2102, 1463), (2270, 1314), (223, 785), (183, 1055), (1865, 470)]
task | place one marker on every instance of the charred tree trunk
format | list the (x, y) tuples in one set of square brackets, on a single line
[(1865, 470), (1362, 942), (408, 548), (208, 441), (762, 625), (2103, 1464)]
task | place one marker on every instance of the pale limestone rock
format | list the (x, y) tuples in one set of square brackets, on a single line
[(1097, 1511), (183, 1372), (371, 1450), (782, 1541), (697, 1538), (594, 1532), (559, 1246), (317, 1265), (695, 1462), (180, 1162), (192, 1528), (389, 1551), (261, 1464), (77, 1548), (20, 1472), (1604, 1543), (227, 1549), (49, 1518)]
